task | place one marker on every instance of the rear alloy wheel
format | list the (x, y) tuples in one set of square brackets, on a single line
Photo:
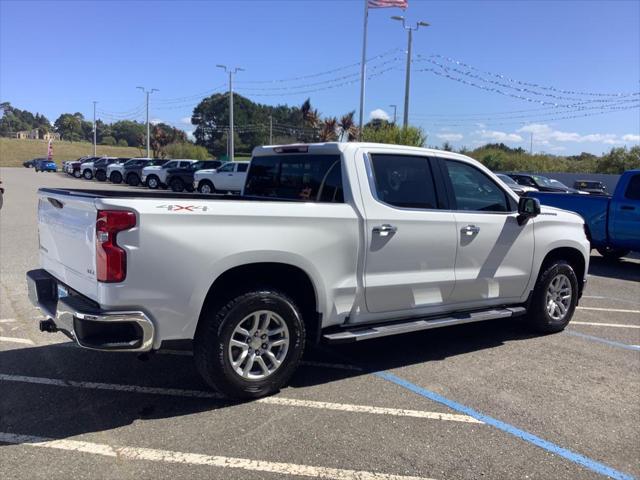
[(133, 180), (115, 177), (555, 297), (77, 173), (206, 187), (251, 346), (87, 174), (153, 182), (177, 185)]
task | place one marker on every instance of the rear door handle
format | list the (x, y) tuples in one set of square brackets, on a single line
[(385, 229), (627, 207), (470, 230)]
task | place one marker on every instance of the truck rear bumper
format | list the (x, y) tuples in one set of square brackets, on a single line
[(85, 322)]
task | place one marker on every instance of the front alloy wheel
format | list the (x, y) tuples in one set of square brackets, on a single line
[(152, 182), (559, 297), (555, 297)]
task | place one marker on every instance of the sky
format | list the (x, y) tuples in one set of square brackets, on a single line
[(523, 66)]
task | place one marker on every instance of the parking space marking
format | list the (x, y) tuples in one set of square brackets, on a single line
[(600, 297), (280, 401), (612, 343), (24, 341), (170, 456), (618, 310), (368, 409), (586, 462), (7, 320), (615, 325)]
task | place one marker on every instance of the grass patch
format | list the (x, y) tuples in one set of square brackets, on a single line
[(13, 151)]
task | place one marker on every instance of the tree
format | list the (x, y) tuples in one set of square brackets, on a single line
[(122, 143), (186, 150), (347, 127), (394, 134), (69, 126), (15, 120), (108, 141), (132, 132)]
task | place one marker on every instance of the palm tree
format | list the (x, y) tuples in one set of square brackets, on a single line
[(328, 130), (348, 127)]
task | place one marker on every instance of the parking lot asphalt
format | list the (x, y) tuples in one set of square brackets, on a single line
[(485, 400)]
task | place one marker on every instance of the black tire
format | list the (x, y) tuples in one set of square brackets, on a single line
[(213, 336), (101, 175), (207, 186), (77, 173), (115, 177), (133, 179), (612, 253), (153, 182), (176, 184), (87, 174), (538, 315)]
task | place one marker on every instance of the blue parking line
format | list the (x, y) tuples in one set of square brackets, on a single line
[(635, 348), (586, 462)]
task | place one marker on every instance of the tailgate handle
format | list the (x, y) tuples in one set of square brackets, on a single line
[(55, 202)]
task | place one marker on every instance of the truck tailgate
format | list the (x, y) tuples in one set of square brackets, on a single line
[(66, 228)]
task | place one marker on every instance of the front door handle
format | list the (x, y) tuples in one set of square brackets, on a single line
[(470, 230), (384, 230), (627, 207)]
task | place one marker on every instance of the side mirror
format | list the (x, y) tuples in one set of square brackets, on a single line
[(528, 207)]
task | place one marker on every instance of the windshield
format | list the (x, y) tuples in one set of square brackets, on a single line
[(507, 179), (544, 181), (173, 164), (557, 183)]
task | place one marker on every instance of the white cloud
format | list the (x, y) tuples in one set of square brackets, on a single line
[(499, 136), (155, 121), (450, 137), (190, 135), (186, 120), (544, 133), (379, 114), (630, 137)]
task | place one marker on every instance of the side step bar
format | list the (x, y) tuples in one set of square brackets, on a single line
[(356, 334)]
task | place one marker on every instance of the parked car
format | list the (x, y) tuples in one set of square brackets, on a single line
[(558, 184), (592, 187), (513, 185), (539, 182), (31, 163), (44, 165), (180, 179), (332, 242), (156, 176), (229, 177), (613, 223), (67, 166), (115, 171), (100, 166), (132, 172)]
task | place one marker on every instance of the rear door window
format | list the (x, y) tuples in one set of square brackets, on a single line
[(243, 167), (633, 189), (404, 181), (316, 178)]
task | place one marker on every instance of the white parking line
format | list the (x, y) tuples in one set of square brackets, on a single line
[(615, 325), (169, 456), (618, 310), (7, 320), (25, 341), (280, 401)]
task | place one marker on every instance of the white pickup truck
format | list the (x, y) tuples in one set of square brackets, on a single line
[(229, 177), (333, 242)]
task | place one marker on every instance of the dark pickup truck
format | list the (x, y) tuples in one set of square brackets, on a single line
[(180, 179), (613, 223)]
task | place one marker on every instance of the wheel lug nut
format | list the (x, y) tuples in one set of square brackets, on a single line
[(258, 352), (264, 336), (264, 346), (250, 350)]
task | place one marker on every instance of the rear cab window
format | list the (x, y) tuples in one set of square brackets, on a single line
[(633, 188), (306, 177)]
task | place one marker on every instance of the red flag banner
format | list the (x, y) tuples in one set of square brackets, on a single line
[(388, 3), (50, 150)]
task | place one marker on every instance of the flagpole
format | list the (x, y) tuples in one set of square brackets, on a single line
[(363, 67)]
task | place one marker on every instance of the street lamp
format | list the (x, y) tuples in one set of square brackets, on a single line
[(410, 31), (395, 111), (148, 92)]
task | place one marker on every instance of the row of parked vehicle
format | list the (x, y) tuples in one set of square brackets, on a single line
[(522, 183), (205, 176)]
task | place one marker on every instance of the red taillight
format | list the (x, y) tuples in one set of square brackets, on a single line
[(111, 260)]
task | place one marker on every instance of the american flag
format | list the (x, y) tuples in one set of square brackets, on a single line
[(388, 3)]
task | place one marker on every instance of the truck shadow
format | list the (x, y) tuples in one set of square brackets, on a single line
[(623, 269), (33, 401)]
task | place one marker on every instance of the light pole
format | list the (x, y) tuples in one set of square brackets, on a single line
[(395, 111), (94, 128), (148, 92), (407, 85), (231, 72)]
